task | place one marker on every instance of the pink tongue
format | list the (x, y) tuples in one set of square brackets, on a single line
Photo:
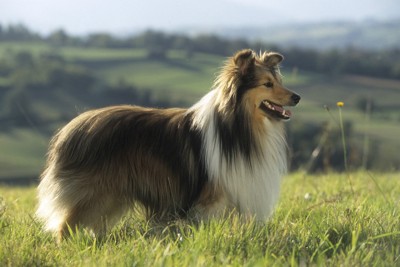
[(281, 110)]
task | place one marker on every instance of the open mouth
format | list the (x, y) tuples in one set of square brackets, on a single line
[(275, 110)]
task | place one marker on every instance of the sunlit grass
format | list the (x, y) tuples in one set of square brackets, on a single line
[(317, 222)]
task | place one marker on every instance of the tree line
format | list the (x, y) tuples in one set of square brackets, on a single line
[(353, 60)]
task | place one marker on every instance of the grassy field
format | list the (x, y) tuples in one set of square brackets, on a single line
[(320, 221)]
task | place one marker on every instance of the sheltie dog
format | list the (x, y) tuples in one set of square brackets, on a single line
[(227, 152)]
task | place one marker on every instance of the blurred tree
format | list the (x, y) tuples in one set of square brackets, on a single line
[(24, 59), (58, 38), (17, 32), (365, 104), (101, 40)]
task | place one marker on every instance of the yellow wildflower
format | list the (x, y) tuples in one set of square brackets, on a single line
[(340, 104)]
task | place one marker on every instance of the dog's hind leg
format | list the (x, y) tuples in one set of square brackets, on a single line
[(97, 214)]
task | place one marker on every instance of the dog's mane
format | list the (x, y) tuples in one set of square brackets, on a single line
[(234, 125)]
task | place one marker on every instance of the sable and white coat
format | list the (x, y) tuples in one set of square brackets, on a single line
[(227, 152)]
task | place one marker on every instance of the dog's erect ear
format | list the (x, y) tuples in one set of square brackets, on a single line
[(272, 59), (243, 60)]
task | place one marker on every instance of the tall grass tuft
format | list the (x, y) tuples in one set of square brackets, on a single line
[(340, 105)]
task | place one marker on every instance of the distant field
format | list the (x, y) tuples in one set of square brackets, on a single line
[(186, 79), (22, 153)]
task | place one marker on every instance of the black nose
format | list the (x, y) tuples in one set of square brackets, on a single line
[(296, 98)]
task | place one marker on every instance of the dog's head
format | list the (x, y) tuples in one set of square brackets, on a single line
[(254, 82)]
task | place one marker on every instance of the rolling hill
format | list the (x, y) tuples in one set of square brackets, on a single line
[(184, 80), (369, 34)]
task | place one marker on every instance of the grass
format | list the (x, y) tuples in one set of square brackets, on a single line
[(319, 221)]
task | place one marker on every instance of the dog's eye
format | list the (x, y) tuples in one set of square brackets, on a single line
[(269, 84)]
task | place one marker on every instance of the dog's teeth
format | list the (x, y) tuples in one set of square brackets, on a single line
[(268, 104), (286, 113)]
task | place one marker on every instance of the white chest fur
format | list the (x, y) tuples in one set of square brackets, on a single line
[(253, 190)]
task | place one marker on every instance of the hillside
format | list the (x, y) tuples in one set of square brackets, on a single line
[(181, 80), (324, 35)]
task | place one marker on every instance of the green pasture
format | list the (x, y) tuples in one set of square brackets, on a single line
[(22, 153), (326, 220), (35, 48)]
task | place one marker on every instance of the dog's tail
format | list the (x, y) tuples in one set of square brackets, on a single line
[(50, 208)]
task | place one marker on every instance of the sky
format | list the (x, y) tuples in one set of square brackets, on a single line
[(125, 16)]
